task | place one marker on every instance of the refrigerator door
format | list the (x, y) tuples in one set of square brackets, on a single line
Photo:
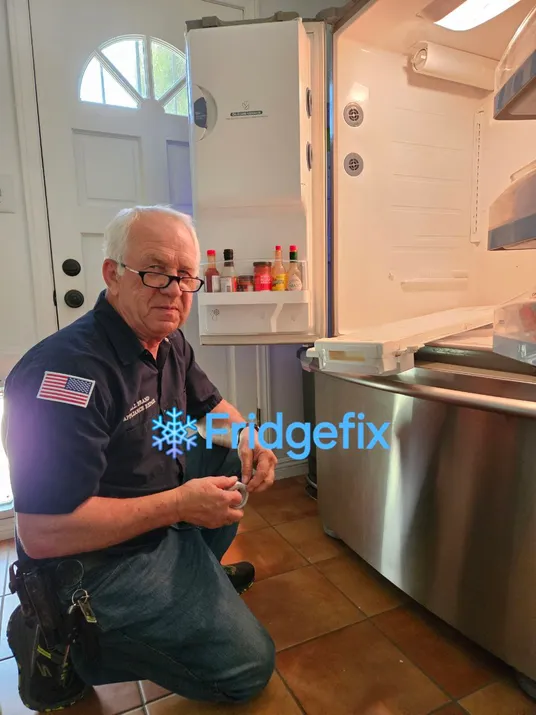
[(258, 164)]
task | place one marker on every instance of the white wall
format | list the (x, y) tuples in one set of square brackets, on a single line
[(306, 8), (17, 327)]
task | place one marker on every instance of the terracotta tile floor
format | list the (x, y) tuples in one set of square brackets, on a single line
[(348, 642)]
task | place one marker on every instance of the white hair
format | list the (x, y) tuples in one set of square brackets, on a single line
[(117, 232)]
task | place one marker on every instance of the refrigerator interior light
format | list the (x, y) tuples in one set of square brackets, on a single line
[(463, 16)]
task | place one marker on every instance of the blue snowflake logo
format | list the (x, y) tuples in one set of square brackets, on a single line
[(175, 433)]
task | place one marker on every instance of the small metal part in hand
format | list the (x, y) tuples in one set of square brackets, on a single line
[(243, 490)]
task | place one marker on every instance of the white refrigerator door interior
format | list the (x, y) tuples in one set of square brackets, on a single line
[(254, 175)]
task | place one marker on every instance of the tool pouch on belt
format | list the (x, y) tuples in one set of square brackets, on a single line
[(39, 602)]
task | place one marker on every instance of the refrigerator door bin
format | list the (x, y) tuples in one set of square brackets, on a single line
[(514, 329), (254, 313), (512, 216), (515, 76)]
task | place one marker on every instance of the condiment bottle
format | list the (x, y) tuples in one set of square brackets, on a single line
[(279, 274), (245, 284), (263, 275), (228, 274), (212, 275), (294, 278)]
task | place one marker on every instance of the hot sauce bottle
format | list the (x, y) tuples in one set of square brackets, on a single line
[(212, 275)]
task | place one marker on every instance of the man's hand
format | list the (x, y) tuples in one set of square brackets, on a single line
[(263, 460), (205, 502)]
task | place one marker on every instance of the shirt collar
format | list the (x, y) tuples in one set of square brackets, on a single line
[(120, 334)]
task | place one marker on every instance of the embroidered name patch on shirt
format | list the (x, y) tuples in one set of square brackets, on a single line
[(59, 387), (139, 406)]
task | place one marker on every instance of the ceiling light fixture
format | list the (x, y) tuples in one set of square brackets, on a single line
[(461, 16)]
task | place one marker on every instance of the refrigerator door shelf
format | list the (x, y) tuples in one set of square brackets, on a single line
[(390, 348), (263, 297), (253, 314)]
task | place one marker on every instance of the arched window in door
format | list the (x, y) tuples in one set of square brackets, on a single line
[(126, 71)]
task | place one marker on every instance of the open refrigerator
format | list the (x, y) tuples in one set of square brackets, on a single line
[(383, 146)]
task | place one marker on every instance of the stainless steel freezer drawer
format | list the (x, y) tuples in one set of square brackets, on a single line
[(448, 513)]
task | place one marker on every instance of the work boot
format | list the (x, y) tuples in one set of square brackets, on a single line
[(241, 575), (47, 680)]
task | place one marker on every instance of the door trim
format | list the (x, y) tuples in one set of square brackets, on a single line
[(33, 179), (250, 7)]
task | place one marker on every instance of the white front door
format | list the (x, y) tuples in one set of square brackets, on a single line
[(110, 78)]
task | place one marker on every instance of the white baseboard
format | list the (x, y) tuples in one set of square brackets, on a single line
[(7, 528), (287, 467)]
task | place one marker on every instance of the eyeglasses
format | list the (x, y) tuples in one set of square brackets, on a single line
[(188, 284)]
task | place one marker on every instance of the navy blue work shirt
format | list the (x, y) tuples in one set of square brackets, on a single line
[(79, 410)]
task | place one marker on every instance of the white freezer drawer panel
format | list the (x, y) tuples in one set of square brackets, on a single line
[(251, 129)]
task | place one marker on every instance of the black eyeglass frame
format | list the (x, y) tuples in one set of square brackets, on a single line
[(142, 275)]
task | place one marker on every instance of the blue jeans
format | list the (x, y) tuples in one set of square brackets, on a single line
[(169, 613)]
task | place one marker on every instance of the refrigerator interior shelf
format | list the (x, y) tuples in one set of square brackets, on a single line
[(262, 297), (522, 350), (390, 348)]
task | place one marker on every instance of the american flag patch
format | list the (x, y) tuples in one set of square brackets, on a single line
[(58, 387)]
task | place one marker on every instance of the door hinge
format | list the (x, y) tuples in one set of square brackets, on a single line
[(54, 299)]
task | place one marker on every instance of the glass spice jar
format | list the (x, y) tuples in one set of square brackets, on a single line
[(263, 275), (245, 284)]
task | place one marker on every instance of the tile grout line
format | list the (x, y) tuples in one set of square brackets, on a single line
[(291, 692), (315, 565), (321, 635), (452, 698), (366, 618), (310, 563), (452, 702), (350, 625), (140, 691), (130, 711), (145, 704)]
